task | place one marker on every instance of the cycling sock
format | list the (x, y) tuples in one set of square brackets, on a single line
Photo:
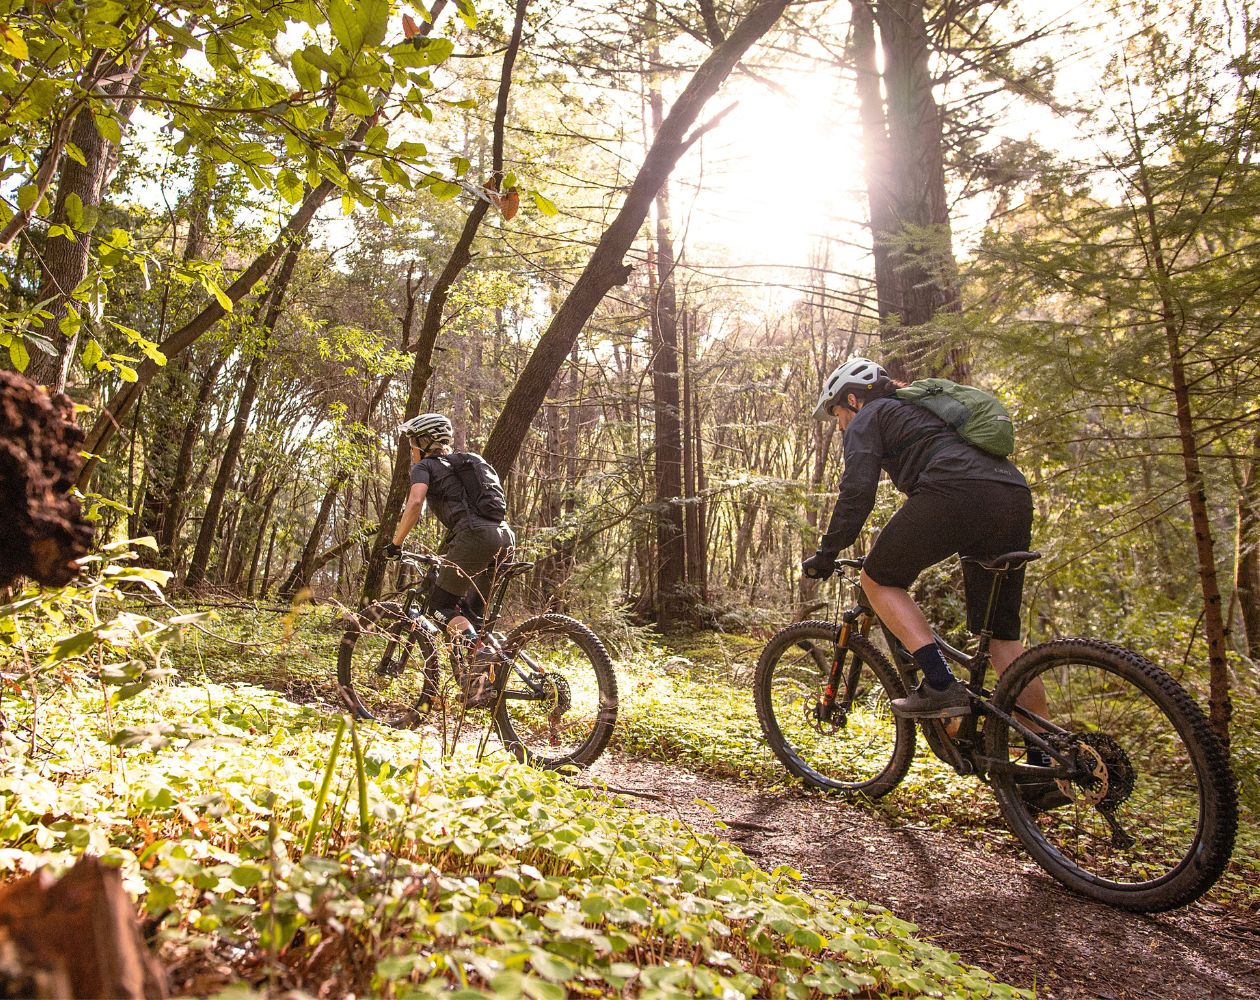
[(935, 670)]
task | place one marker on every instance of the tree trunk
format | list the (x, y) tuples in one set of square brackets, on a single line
[(263, 523), (1219, 705), (200, 562), (303, 569), (173, 515), (460, 257), (671, 542), (65, 260), (906, 189), (227, 463), (1247, 551), (877, 164), (606, 269)]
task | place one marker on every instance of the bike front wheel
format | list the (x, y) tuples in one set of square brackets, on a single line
[(387, 666), (1146, 819), (856, 745), (558, 699)]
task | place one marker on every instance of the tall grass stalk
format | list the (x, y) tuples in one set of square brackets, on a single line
[(312, 831)]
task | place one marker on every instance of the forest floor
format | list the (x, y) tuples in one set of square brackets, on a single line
[(962, 879), (972, 892)]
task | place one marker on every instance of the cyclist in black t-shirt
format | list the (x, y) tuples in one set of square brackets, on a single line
[(475, 543), (960, 499)]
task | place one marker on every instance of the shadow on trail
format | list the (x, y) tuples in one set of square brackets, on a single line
[(971, 891)]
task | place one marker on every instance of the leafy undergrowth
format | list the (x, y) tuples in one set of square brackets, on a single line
[(270, 846), (688, 702)]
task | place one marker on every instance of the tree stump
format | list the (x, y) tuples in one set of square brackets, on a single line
[(74, 937)]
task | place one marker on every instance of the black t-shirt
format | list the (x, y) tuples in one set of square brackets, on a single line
[(895, 436), (446, 493)]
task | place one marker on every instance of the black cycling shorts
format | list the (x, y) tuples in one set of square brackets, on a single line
[(973, 518)]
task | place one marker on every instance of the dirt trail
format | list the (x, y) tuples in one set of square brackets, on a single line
[(970, 892)]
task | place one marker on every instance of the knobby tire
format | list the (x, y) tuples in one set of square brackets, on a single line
[(814, 641), (590, 679), (1050, 836)]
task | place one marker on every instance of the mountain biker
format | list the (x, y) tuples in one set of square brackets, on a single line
[(959, 499), (475, 543)]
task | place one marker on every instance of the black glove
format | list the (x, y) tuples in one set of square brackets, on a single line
[(392, 551), (819, 566)]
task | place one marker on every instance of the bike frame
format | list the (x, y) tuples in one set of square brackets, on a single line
[(962, 751), (417, 597)]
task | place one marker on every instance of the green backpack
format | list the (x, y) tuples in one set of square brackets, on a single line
[(978, 417)]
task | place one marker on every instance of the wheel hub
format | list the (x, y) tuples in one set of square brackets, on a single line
[(823, 719)]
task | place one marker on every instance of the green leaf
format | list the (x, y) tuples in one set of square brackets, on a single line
[(355, 99), (220, 295), (70, 323), (27, 196), (420, 52), (544, 205), (75, 645), (76, 154), (461, 165), (348, 27), (18, 354), (467, 12), (290, 186), (127, 373), (108, 128), (12, 43), (74, 210), (92, 353), (305, 72)]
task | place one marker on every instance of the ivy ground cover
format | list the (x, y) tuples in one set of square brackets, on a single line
[(269, 845)]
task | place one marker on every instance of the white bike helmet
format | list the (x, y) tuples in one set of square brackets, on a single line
[(434, 426), (854, 375)]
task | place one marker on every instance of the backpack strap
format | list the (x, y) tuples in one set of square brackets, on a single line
[(923, 433)]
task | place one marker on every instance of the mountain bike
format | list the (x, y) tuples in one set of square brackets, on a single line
[(1137, 807), (555, 693)]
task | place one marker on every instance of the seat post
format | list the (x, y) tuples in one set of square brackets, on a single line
[(986, 631)]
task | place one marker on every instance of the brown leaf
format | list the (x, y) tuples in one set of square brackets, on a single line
[(510, 203), (410, 28)]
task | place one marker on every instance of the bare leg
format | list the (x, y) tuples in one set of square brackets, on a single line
[(897, 610), (1003, 653)]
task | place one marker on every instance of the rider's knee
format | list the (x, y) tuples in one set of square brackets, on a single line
[(443, 605)]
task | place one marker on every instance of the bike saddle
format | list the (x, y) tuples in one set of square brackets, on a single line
[(1003, 563)]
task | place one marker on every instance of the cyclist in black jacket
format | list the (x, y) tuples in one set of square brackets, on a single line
[(960, 499), (475, 543)]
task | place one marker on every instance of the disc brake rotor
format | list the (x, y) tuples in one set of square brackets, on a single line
[(558, 697), (818, 720), (1105, 775)]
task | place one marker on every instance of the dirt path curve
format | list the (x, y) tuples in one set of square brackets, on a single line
[(971, 893)]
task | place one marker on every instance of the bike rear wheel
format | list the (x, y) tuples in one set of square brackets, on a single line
[(387, 666), (558, 702), (861, 746), (1147, 820)]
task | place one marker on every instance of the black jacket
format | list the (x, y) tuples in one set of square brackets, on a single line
[(915, 447)]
